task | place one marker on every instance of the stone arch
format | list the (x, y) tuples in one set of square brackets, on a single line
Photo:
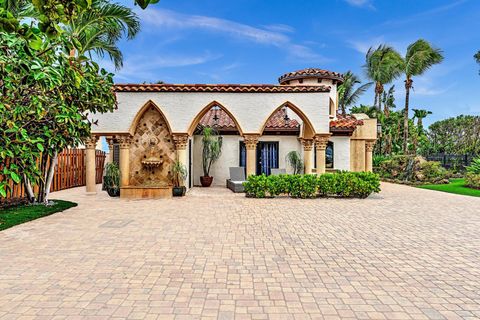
[(140, 113), (308, 131), (199, 116)]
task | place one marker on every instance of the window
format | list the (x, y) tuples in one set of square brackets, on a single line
[(328, 156)]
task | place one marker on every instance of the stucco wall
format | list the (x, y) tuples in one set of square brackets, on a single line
[(180, 108), (341, 152)]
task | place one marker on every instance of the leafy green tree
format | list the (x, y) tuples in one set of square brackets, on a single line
[(420, 57), (348, 92), (383, 65), (419, 132), (48, 99), (388, 100)]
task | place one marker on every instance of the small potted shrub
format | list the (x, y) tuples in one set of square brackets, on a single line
[(112, 179), (212, 149), (179, 172)]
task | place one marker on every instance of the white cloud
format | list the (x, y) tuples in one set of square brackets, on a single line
[(142, 68), (361, 3), (273, 35), (362, 46)]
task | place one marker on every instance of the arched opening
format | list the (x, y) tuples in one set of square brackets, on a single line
[(217, 117), (280, 136), (152, 150)]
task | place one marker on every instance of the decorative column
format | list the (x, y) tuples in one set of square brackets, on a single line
[(307, 154), (181, 140), (110, 142), (321, 141), (124, 143), (369, 145), (90, 176), (251, 141)]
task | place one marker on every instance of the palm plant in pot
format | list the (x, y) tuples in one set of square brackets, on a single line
[(212, 149), (179, 171), (112, 179)]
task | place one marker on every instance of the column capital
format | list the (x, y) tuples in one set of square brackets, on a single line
[(307, 144), (91, 142), (321, 141), (124, 141), (110, 141), (251, 141), (180, 140), (369, 145)]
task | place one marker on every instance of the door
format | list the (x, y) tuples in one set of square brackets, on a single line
[(267, 156)]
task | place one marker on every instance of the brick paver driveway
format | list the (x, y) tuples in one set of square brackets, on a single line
[(403, 254)]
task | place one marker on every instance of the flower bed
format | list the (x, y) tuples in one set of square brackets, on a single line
[(340, 184)]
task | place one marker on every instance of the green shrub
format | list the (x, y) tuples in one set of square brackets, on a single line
[(412, 170), (472, 180), (340, 184), (474, 166), (379, 159)]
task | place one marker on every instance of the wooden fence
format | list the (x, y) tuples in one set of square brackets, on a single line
[(69, 173)]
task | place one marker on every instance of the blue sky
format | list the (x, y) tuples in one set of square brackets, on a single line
[(256, 41)]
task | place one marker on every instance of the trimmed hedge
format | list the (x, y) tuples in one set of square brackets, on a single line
[(340, 184)]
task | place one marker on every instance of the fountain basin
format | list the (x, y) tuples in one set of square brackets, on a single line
[(146, 192)]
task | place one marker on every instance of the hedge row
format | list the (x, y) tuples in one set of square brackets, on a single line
[(340, 184)]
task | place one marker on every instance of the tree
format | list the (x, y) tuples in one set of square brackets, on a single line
[(477, 57), (348, 93), (99, 28), (47, 101), (388, 100), (383, 65), (420, 57), (419, 114)]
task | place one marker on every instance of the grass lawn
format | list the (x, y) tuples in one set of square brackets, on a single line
[(455, 186), (24, 213)]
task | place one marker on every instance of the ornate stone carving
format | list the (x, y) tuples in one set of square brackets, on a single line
[(124, 141), (180, 140), (91, 143), (321, 142), (307, 144), (251, 141), (369, 145)]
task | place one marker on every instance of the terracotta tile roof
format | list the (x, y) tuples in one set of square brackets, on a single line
[(251, 88), (224, 122), (344, 123), (310, 73)]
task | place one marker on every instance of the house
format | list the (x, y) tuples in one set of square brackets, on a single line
[(259, 124)]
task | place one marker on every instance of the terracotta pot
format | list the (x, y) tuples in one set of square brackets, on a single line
[(206, 181)]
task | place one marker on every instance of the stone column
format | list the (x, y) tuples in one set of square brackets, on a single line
[(181, 141), (251, 141), (110, 142), (369, 145), (124, 143), (321, 141), (307, 154), (90, 169)]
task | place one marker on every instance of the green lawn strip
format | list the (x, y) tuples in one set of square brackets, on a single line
[(456, 186), (12, 216)]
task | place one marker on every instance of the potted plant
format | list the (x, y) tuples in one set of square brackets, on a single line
[(112, 179), (212, 149), (295, 161), (179, 171)]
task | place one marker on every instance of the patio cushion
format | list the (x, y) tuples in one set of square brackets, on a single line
[(237, 174)]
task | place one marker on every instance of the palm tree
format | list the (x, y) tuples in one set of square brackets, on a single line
[(347, 93), (419, 58), (383, 65), (419, 114), (99, 28), (388, 100)]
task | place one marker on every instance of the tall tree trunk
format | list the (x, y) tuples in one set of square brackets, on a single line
[(378, 96), (29, 189), (51, 171), (376, 99), (408, 85)]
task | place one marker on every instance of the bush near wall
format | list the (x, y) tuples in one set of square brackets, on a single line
[(412, 170), (472, 180), (340, 184)]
